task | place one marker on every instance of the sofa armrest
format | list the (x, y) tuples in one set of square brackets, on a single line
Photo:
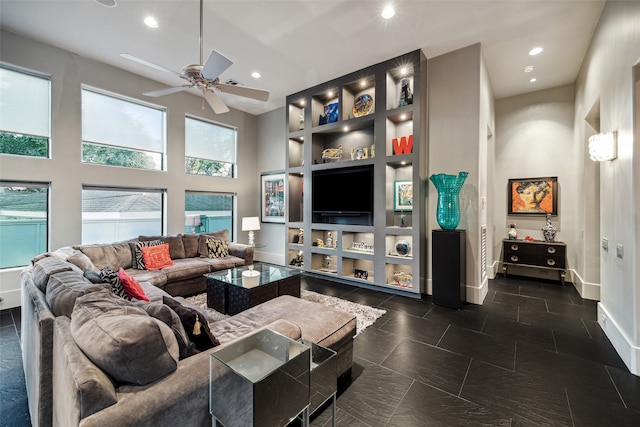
[(241, 251)]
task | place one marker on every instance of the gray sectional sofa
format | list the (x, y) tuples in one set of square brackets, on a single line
[(69, 386)]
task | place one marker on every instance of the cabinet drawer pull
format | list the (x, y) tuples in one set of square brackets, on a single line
[(514, 247), (551, 262), (514, 258), (551, 250)]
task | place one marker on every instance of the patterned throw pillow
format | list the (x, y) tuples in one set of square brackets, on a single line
[(110, 276), (131, 287), (136, 252), (156, 257), (217, 248)]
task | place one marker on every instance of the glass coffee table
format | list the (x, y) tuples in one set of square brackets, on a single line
[(237, 289)]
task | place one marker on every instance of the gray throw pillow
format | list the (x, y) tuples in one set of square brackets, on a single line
[(64, 288), (122, 339), (45, 268)]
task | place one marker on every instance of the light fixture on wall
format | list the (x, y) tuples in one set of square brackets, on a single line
[(250, 224), (603, 146)]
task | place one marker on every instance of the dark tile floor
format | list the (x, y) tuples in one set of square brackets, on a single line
[(531, 355)]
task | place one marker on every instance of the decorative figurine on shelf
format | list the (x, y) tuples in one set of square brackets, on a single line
[(403, 248), (549, 231), (406, 97), (329, 241), (297, 261), (403, 224), (332, 153), (319, 243), (301, 121), (448, 208), (328, 262), (301, 236), (513, 233)]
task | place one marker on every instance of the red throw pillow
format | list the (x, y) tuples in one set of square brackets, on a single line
[(156, 257), (131, 287)]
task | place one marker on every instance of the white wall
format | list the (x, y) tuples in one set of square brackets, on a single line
[(607, 77), (66, 172)]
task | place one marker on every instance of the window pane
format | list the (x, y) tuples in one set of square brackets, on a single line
[(122, 133), (210, 141), (208, 212), (23, 145), (111, 215), (208, 167), (23, 222), (24, 103)]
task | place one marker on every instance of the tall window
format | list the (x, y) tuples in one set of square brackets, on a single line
[(210, 148), (115, 214), (122, 132), (25, 100), (209, 212), (24, 211)]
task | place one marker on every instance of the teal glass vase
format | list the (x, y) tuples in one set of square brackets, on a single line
[(448, 210)]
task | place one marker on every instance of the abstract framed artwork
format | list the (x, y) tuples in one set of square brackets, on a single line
[(403, 195), (533, 196), (272, 188)]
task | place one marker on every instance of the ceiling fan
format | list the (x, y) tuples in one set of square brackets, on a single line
[(205, 78)]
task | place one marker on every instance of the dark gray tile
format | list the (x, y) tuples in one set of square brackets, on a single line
[(488, 348), (495, 309), (628, 385), (593, 349), (430, 365), (554, 321), (469, 319), (521, 301), (587, 312), (416, 307), (426, 406), (366, 297), (536, 335), (417, 328), (527, 399), (589, 411), (375, 344)]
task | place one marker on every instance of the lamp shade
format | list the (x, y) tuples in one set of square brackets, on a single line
[(250, 223), (603, 147)]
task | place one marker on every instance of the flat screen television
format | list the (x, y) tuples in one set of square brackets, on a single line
[(343, 193)]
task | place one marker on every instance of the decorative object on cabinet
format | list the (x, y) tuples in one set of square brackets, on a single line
[(301, 122), (329, 240), (362, 105), (301, 236), (250, 224), (448, 208), (372, 151), (403, 247), (360, 274), (332, 153), (404, 145), (297, 261), (362, 153), (406, 97), (533, 196), (331, 112), (272, 187), (544, 257), (402, 279), (403, 223), (513, 233), (403, 195), (549, 231)]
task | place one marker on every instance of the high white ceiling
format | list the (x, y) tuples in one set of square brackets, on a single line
[(296, 44)]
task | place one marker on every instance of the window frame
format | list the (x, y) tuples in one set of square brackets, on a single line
[(234, 165), (234, 209)]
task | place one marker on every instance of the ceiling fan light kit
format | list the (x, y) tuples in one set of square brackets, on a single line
[(204, 77)]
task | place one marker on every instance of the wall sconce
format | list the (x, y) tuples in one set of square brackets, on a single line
[(249, 224), (192, 221), (603, 146)]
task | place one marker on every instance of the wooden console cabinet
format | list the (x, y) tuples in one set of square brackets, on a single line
[(535, 255)]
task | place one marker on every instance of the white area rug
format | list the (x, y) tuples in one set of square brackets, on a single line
[(365, 315)]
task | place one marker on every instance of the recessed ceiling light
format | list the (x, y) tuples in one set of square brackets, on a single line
[(302, 102), (532, 80), (363, 83), (256, 75), (403, 117), (403, 71), (535, 51), (330, 94), (388, 12), (346, 128), (151, 22), (528, 69)]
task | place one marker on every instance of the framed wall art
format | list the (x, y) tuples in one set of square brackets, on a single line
[(533, 196), (402, 195), (272, 193)]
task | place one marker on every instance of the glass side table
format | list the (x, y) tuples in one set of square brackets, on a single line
[(260, 380), (324, 385)]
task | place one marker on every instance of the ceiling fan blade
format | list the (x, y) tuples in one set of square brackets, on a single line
[(216, 103), (216, 64), (247, 92), (149, 64), (167, 91)]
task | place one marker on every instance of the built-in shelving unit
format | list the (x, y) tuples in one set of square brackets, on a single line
[(373, 118)]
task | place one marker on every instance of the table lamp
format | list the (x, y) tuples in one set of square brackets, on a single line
[(250, 224)]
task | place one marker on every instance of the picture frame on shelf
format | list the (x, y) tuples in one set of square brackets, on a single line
[(402, 195), (533, 196), (272, 187)]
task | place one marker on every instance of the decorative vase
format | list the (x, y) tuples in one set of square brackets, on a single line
[(513, 233), (549, 231), (448, 210), (403, 248)]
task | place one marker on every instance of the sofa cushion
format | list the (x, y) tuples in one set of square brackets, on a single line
[(186, 268), (190, 242), (218, 264), (64, 288), (45, 268), (82, 261), (122, 339), (110, 277), (203, 250), (176, 245), (165, 314), (195, 323), (217, 248), (131, 287), (136, 252), (155, 277), (114, 255), (156, 257), (93, 276)]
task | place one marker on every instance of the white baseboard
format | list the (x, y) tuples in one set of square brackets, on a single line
[(10, 299), (476, 294), (586, 290), (629, 353)]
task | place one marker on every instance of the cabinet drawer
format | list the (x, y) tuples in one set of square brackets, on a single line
[(551, 255)]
